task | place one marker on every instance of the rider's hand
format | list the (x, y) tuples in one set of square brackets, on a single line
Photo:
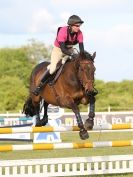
[(73, 55)]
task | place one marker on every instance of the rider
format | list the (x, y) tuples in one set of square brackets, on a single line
[(66, 38)]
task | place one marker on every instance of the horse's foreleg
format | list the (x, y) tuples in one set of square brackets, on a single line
[(44, 120), (90, 121), (83, 132)]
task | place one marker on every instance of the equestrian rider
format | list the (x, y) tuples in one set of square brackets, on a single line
[(66, 38)]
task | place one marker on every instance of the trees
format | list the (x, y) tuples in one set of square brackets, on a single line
[(37, 51), (15, 67), (14, 76), (117, 95), (12, 93)]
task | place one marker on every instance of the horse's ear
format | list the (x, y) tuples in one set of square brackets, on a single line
[(93, 56)]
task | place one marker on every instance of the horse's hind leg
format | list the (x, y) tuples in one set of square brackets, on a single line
[(83, 132), (37, 111), (44, 120), (89, 123)]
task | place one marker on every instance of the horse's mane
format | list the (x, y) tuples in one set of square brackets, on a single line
[(82, 56), (85, 55)]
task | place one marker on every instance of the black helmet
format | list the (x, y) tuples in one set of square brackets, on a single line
[(74, 19)]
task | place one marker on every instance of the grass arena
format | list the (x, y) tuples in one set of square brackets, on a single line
[(110, 151), (68, 137)]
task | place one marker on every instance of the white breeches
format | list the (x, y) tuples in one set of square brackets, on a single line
[(56, 56)]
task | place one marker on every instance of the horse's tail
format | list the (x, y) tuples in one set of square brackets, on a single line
[(28, 108)]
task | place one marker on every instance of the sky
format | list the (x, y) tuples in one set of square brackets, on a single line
[(107, 29)]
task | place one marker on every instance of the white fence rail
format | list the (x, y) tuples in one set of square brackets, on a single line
[(71, 166)]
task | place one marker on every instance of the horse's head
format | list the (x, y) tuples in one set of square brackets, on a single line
[(86, 70)]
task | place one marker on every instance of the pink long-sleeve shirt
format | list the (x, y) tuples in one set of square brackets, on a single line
[(63, 36)]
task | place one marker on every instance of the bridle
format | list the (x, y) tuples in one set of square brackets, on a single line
[(80, 69), (90, 80)]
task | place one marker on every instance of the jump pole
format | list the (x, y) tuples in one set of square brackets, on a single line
[(47, 146), (63, 128)]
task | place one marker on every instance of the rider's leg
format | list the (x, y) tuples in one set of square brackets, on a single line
[(45, 76), (55, 57), (66, 57)]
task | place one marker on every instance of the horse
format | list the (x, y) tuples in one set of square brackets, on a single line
[(74, 86)]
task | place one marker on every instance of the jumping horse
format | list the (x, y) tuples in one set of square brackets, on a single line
[(74, 86)]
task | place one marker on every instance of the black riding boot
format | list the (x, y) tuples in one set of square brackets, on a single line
[(42, 82)]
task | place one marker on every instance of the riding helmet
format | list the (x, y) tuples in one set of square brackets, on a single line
[(74, 19)]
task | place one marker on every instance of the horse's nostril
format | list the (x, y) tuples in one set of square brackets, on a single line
[(89, 92), (92, 93)]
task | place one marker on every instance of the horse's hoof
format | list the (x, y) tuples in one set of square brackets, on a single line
[(89, 124), (44, 120), (38, 124), (83, 134), (43, 123)]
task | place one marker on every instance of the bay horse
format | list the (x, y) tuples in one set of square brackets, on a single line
[(74, 86)]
